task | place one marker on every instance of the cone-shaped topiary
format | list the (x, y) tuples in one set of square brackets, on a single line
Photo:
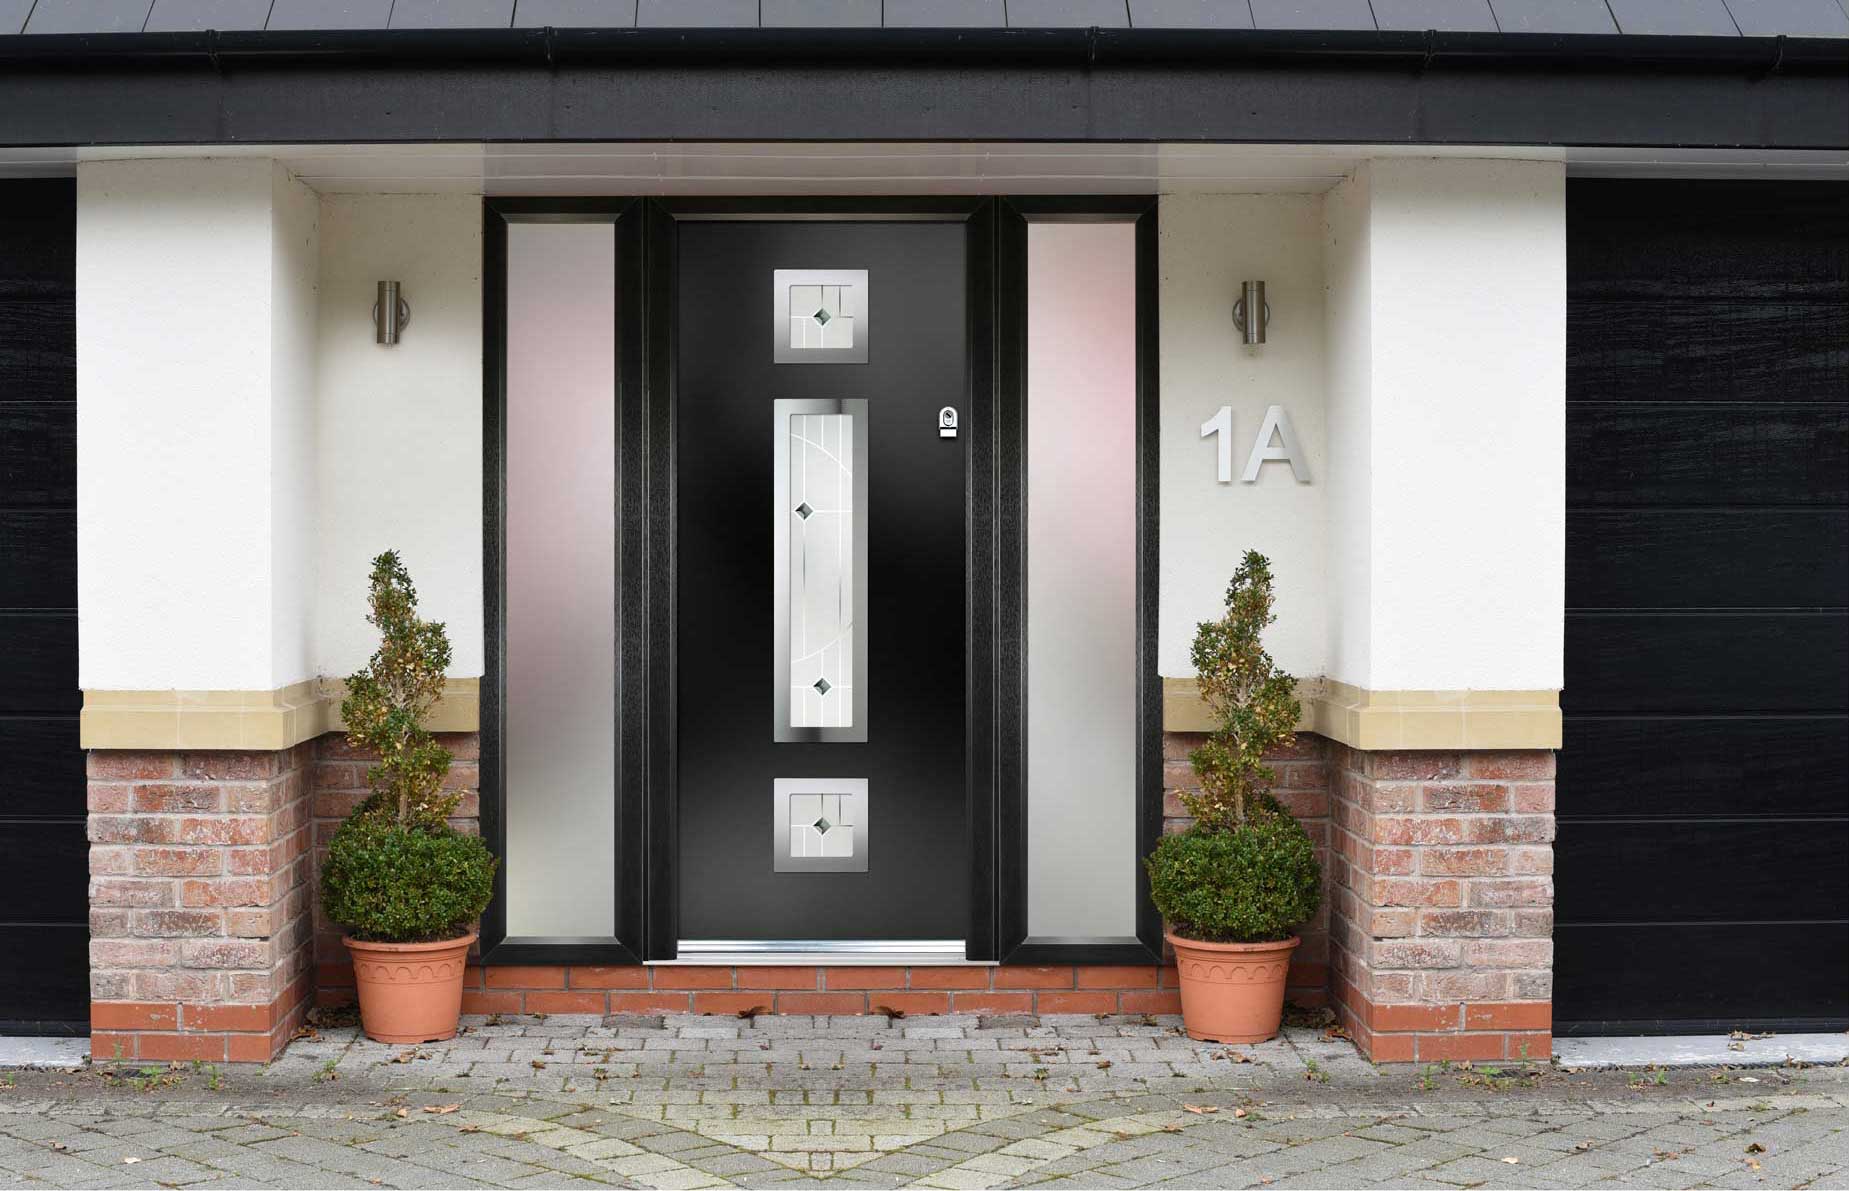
[(388, 700), (1246, 871), (396, 871)]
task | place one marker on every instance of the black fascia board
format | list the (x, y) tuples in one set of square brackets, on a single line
[(835, 85), (1096, 46)]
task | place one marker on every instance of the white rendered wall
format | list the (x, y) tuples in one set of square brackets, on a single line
[(1348, 483), (294, 315), (193, 493), (1209, 244), (1450, 388), (400, 427)]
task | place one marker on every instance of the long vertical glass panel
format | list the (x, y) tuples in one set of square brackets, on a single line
[(1081, 580), (560, 743), (819, 521)]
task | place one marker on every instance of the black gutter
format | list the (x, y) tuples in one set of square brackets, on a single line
[(563, 47)]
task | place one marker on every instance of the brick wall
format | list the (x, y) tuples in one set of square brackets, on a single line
[(1434, 940), (199, 915), (1303, 788), (1443, 915), (950, 989)]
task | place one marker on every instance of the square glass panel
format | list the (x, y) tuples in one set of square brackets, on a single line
[(819, 316)]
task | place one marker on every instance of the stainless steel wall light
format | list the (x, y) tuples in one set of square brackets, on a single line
[(391, 314), (1252, 298)]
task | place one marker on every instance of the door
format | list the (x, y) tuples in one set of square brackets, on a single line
[(820, 567), (1702, 813), (44, 856)]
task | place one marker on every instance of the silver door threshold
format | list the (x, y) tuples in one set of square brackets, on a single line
[(830, 952)]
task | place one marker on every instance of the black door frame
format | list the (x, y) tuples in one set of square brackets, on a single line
[(646, 785)]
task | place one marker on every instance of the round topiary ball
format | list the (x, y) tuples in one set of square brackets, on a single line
[(1256, 883), (387, 883)]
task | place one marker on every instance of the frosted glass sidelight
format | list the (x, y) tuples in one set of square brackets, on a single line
[(560, 644), (820, 490), (1081, 580)]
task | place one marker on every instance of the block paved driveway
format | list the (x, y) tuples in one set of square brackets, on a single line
[(931, 1102)]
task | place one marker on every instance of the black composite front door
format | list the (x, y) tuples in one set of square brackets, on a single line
[(820, 574)]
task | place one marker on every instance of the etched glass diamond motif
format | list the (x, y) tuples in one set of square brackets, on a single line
[(803, 510), (822, 316), (822, 825), (823, 686)]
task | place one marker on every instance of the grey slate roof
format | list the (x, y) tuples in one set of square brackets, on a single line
[(1709, 18)]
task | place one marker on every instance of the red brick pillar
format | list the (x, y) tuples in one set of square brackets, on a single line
[(1443, 926), (200, 946)]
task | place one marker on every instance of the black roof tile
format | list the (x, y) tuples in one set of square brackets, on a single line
[(575, 14), (945, 14), (1453, 16), (1553, 16), (330, 14), (1068, 14), (88, 16), (1312, 14), (1191, 14), (452, 14)]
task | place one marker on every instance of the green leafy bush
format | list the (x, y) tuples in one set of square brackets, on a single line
[(1246, 871), (388, 883), (1254, 884)]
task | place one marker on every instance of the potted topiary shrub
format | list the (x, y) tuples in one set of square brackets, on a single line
[(407, 887), (1235, 886)]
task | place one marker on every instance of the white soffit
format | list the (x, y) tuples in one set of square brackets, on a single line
[(899, 168)]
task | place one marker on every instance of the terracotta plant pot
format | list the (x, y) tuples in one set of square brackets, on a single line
[(410, 992), (1232, 992)]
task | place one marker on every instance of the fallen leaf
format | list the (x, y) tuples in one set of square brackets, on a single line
[(60, 1146), (1753, 1162), (1200, 1109), (1755, 1148), (1239, 1112), (1335, 1032), (442, 1109), (1171, 1128), (1104, 1064), (1748, 1079), (402, 1113), (889, 1012), (539, 1065), (1583, 1145), (754, 1011), (470, 1129), (130, 1161), (1512, 1160)]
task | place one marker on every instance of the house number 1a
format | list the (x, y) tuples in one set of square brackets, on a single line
[(1264, 450)]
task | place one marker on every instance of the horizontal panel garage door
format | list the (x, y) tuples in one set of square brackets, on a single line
[(1702, 865), (44, 861)]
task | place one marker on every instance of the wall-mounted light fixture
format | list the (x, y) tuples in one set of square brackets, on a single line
[(1252, 299), (391, 314)]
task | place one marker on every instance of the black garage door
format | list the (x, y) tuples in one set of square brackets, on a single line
[(1702, 866), (44, 929)]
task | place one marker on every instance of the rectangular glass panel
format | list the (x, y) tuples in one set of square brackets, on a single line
[(821, 500), (560, 741), (819, 507), (1081, 580)]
